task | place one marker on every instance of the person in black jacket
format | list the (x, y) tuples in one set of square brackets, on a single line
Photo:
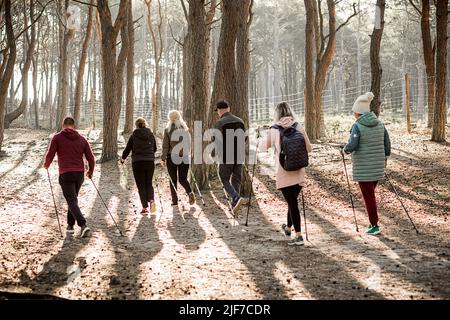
[(142, 143)]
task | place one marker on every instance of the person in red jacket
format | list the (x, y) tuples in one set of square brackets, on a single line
[(70, 147)]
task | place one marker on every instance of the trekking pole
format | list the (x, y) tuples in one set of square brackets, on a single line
[(176, 191), (349, 189), (304, 214), (107, 209), (253, 175), (401, 202), (196, 186), (159, 196), (54, 202), (225, 191)]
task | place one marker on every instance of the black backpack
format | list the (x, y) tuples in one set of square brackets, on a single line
[(293, 153)]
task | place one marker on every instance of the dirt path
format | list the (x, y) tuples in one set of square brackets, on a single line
[(205, 254)]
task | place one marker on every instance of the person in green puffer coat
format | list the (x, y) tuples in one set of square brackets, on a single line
[(370, 146)]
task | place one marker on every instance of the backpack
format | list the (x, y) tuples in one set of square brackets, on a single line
[(293, 153)]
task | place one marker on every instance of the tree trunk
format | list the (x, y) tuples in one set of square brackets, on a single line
[(80, 73), (157, 46), (242, 73), (7, 64), (111, 109), (10, 117), (310, 104), (129, 114), (428, 57), (375, 64), (440, 106), (225, 75)]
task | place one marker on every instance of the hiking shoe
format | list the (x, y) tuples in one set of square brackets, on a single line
[(152, 206), (369, 227), (85, 231), (286, 229), (70, 229), (238, 205), (298, 241), (144, 210), (374, 231), (191, 198)]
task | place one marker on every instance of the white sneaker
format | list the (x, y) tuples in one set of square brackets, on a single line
[(85, 231)]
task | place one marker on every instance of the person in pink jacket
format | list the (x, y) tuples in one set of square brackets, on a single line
[(288, 182)]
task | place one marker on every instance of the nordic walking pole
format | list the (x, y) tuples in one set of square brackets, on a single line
[(107, 209), (401, 202), (159, 196), (253, 175), (304, 214), (349, 189), (196, 186), (54, 202)]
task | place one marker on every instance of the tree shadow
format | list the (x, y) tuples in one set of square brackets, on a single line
[(422, 247), (273, 265)]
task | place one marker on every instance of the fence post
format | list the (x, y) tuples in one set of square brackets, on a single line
[(408, 111)]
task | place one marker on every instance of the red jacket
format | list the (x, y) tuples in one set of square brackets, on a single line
[(70, 147)]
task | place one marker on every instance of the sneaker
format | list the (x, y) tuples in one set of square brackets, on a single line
[(191, 198), (368, 228), (70, 229), (144, 210), (298, 240), (286, 229), (85, 231), (374, 231), (152, 206), (238, 205)]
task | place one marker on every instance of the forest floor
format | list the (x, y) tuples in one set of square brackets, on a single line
[(206, 254)]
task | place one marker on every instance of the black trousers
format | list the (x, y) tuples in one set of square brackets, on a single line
[(70, 184), (178, 173), (143, 175), (291, 196)]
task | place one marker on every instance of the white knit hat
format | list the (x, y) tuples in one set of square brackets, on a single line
[(362, 103)]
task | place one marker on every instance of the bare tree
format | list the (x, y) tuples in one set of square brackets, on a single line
[(128, 128), (440, 107), (81, 66), (375, 64), (319, 48), (111, 109), (157, 53), (7, 64), (29, 45), (428, 53)]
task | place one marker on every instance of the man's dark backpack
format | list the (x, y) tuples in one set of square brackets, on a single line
[(293, 153)]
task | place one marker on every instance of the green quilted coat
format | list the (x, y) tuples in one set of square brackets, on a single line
[(368, 158)]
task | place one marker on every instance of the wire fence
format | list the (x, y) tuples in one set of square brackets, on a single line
[(334, 101)]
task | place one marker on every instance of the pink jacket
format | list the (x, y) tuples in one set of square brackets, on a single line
[(284, 178)]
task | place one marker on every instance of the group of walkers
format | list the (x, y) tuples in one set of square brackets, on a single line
[(369, 145)]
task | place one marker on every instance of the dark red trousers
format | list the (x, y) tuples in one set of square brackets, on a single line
[(368, 192)]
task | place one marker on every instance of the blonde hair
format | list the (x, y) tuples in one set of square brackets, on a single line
[(283, 110), (174, 117), (141, 123)]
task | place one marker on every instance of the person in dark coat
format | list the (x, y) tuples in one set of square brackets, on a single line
[(142, 145)]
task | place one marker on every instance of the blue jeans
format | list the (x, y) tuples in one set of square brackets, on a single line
[(233, 172)]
